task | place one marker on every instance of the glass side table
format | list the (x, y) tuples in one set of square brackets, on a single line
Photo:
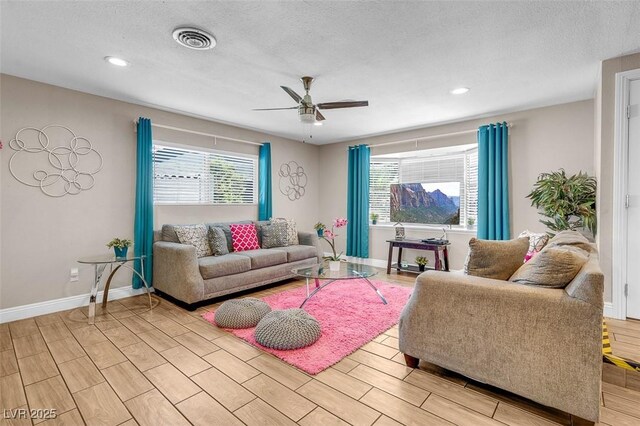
[(100, 263)]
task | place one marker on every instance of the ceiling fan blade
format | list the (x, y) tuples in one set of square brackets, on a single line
[(346, 104), (293, 94), (273, 109), (319, 116)]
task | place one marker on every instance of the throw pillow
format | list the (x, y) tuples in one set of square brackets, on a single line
[(292, 231), (495, 259), (537, 241), (553, 267), (195, 235), (244, 236), (217, 241), (274, 235), (571, 238)]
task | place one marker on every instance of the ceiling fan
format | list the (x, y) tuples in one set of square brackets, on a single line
[(308, 112)]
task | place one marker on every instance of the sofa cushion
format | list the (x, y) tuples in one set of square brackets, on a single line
[(220, 266), (295, 253), (553, 267), (264, 257), (244, 237), (225, 226), (292, 231), (217, 241), (169, 234), (195, 235), (274, 235), (495, 259)]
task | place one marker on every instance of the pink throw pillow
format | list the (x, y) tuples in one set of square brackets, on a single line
[(244, 237)]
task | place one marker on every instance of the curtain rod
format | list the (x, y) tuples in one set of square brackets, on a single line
[(193, 132), (438, 136)]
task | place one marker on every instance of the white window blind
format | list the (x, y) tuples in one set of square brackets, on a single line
[(472, 185), (188, 176), (382, 174)]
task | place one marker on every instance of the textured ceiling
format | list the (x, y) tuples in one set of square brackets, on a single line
[(403, 57)]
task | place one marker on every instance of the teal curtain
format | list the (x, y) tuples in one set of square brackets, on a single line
[(493, 182), (358, 201), (265, 202), (143, 226)]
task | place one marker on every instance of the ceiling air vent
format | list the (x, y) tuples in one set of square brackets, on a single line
[(194, 38)]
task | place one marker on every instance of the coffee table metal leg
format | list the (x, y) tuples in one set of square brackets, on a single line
[(143, 281), (331, 281), (376, 290), (315, 291)]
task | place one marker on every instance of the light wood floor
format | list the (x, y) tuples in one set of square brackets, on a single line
[(168, 366)]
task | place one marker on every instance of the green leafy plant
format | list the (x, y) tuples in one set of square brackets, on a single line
[(471, 221), (319, 226), (374, 216), (119, 243), (566, 202), (421, 260)]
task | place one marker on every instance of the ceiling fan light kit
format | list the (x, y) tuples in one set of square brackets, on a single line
[(308, 112)]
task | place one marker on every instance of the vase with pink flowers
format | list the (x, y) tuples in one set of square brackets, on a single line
[(330, 237)]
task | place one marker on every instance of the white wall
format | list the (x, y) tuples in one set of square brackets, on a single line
[(42, 237), (541, 140)]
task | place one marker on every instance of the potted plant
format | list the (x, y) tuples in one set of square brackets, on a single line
[(422, 262), (329, 236), (320, 227), (120, 247), (567, 202), (374, 218), (471, 221)]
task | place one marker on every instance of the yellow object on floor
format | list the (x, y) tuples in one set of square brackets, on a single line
[(609, 357)]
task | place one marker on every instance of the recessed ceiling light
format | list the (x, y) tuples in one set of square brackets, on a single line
[(459, 91), (119, 62), (318, 123)]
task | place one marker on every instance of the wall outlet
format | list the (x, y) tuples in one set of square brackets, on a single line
[(74, 275)]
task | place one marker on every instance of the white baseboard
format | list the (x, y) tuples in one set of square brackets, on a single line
[(57, 305), (609, 312)]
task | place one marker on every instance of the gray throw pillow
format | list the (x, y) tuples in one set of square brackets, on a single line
[(195, 235), (217, 241), (553, 267), (495, 259), (274, 235)]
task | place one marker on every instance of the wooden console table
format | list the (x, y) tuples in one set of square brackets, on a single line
[(437, 249)]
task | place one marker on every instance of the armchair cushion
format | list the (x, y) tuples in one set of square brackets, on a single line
[(495, 259), (553, 267)]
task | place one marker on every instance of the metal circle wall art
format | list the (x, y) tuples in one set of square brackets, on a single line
[(65, 164), (293, 180)]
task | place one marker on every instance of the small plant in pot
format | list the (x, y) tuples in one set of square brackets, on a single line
[(120, 247), (374, 218), (320, 227), (422, 262), (330, 236)]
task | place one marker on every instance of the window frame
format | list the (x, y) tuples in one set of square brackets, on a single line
[(422, 154), (197, 148)]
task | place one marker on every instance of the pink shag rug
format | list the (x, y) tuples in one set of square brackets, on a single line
[(350, 314)]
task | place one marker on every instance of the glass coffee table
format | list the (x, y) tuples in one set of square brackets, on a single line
[(348, 271)]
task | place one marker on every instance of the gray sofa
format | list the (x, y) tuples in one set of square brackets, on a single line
[(178, 273), (540, 343)]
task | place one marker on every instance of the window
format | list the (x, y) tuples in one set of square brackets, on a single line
[(184, 175), (441, 165)]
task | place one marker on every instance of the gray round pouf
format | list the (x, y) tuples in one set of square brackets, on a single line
[(288, 329), (241, 313)]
